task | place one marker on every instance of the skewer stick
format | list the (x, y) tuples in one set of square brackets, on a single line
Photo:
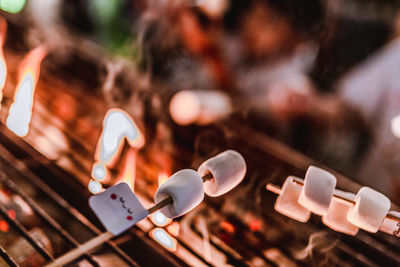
[(104, 237), (277, 190)]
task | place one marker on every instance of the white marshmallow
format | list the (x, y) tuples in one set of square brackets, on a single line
[(370, 209), (336, 218), (199, 107), (318, 190), (228, 170), (287, 201), (391, 226), (186, 189)]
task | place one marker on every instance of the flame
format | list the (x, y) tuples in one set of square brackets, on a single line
[(160, 219), (20, 112), (162, 178), (95, 187), (117, 127), (165, 239), (3, 65), (129, 171)]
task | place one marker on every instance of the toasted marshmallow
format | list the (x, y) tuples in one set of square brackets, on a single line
[(186, 189), (287, 201), (370, 209), (336, 218), (318, 189), (228, 170)]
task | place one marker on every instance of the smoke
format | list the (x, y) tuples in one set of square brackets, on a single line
[(321, 242)]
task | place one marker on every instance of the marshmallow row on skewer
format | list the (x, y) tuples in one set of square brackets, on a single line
[(342, 211), (118, 208), (186, 187)]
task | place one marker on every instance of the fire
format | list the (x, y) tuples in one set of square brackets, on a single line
[(3, 65), (20, 112), (163, 238), (162, 178), (117, 127)]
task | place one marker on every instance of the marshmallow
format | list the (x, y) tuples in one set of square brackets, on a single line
[(318, 190), (287, 201), (186, 189), (228, 170), (199, 107), (391, 226), (336, 218), (370, 209)]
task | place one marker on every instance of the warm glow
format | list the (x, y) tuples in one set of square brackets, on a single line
[(4, 227), (3, 65), (165, 239), (129, 171), (118, 126), (20, 112), (95, 187), (185, 107), (228, 227), (173, 228), (162, 178), (160, 219)]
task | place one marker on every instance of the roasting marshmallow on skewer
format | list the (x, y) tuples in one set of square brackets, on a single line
[(118, 208), (336, 218), (370, 209), (227, 168), (318, 189), (224, 171), (287, 201), (347, 212)]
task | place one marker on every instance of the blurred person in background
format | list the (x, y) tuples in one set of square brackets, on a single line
[(366, 100)]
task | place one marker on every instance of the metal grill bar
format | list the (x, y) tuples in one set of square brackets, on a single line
[(22, 230), (20, 166), (42, 213), (7, 258)]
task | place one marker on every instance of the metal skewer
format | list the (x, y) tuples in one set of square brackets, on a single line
[(104, 237)]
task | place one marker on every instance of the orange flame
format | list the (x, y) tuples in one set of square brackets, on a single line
[(163, 238), (3, 65), (20, 112), (129, 171), (117, 127)]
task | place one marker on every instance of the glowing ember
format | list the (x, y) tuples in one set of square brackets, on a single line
[(95, 187), (228, 227), (20, 112), (162, 237), (4, 226), (3, 66), (12, 214), (160, 219), (117, 127), (255, 225)]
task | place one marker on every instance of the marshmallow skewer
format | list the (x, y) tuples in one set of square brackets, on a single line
[(390, 219), (104, 237)]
